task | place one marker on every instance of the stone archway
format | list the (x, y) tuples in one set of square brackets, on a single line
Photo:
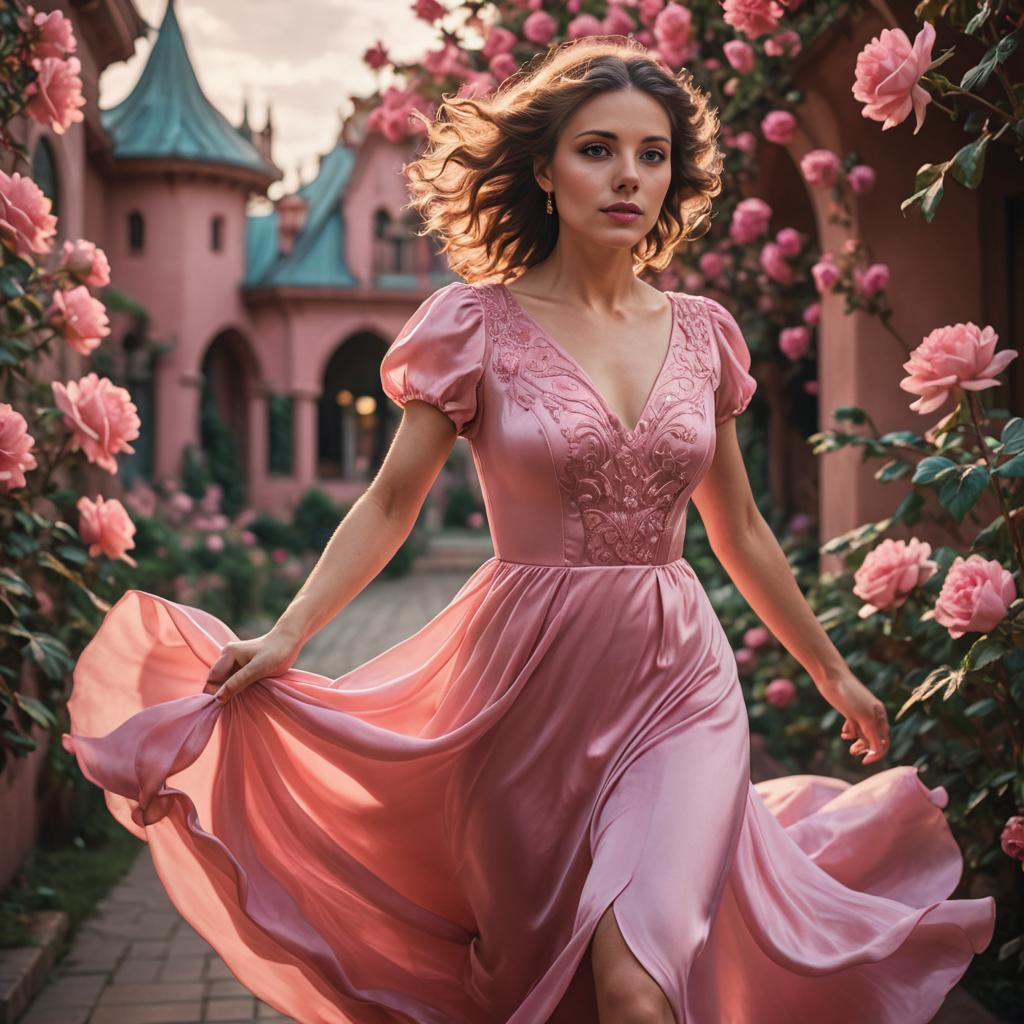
[(352, 412)]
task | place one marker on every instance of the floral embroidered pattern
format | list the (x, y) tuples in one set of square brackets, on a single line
[(623, 484)]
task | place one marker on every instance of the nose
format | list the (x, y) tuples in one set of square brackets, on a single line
[(627, 178)]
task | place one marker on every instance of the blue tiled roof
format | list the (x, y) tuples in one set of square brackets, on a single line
[(317, 258), (168, 115)]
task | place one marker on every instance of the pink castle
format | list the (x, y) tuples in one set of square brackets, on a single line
[(259, 331)]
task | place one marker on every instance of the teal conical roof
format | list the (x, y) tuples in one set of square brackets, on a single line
[(167, 114)]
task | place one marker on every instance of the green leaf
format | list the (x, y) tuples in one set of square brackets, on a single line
[(75, 555), (1013, 468), (979, 19), (958, 494), (932, 198), (982, 707), (984, 651), (893, 470), (968, 165), (850, 414), (927, 174), (989, 535), (13, 583), (36, 710), (52, 657), (977, 77), (932, 469), (909, 509), (1013, 436), (20, 545), (900, 438)]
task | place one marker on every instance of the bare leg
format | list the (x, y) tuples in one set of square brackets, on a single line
[(626, 993), (579, 1004)]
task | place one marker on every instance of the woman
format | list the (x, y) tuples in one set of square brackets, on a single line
[(538, 807)]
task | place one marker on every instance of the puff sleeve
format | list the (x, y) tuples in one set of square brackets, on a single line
[(438, 356), (734, 386)]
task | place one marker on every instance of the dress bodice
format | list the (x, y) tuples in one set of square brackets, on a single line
[(564, 481)]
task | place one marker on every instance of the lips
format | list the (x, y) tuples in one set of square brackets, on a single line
[(622, 208)]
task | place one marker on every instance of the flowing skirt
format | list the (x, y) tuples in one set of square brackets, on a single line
[(433, 836)]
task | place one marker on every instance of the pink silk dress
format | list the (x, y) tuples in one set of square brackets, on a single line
[(433, 836)]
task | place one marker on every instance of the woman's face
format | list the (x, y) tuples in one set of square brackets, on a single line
[(616, 148)]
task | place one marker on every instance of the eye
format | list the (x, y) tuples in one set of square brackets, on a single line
[(600, 145)]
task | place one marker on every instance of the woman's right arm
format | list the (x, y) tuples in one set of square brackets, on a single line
[(364, 542)]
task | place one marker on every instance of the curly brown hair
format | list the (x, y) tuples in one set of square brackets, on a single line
[(473, 185)]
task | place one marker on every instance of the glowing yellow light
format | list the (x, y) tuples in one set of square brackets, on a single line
[(344, 397), (366, 404)]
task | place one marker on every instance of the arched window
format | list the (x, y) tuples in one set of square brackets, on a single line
[(217, 233), (44, 174), (136, 231)]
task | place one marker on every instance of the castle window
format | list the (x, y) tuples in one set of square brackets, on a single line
[(136, 231), (217, 233)]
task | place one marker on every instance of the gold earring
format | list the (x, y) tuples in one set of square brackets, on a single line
[(549, 207)]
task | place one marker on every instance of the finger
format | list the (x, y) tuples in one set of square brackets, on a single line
[(238, 682), (847, 732), (221, 668)]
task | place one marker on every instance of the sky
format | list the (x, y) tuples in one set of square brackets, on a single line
[(303, 55)]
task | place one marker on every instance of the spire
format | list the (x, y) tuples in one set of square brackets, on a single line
[(167, 114)]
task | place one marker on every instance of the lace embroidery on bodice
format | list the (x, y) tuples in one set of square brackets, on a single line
[(622, 483)]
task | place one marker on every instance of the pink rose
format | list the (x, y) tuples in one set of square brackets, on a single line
[(106, 527), (26, 224), (85, 262), (749, 220), (16, 445), (55, 38), (740, 56), (820, 167), (648, 11), (279, 555), (745, 659), (249, 538), (428, 10), (182, 503), (141, 499), (377, 56), (888, 70), (785, 44), (975, 596), (215, 543), (861, 178), (871, 280), (747, 142), (101, 417), (673, 27), (444, 61), (476, 83), (810, 387), (777, 126), (800, 522), (774, 264), (957, 355), (789, 241), (692, 282), (55, 97), (1012, 838), (79, 318), (825, 273), (752, 17), (812, 314), (503, 65), (756, 636), (711, 264), (890, 572), (616, 22), (584, 25), (780, 693), (793, 342), (499, 40)]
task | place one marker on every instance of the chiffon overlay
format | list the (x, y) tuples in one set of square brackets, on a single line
[(433, 836)]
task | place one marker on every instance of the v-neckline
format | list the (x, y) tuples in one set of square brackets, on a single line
[(608, 410)]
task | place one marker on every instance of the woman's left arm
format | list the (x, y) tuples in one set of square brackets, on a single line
[(749, 552)]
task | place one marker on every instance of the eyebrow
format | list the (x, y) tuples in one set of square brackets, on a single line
[(612, 135)]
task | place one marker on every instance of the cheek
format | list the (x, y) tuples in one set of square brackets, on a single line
[(582, 180)]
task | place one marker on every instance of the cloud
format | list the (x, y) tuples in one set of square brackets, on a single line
[(304, 56)]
